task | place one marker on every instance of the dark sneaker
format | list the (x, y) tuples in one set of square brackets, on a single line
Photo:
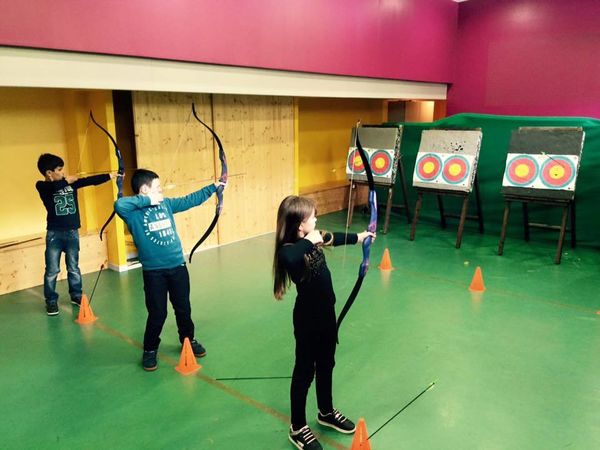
[(52, 308), (304, 439), (337, 421), (197, 348), (76, 301), (149, 360)]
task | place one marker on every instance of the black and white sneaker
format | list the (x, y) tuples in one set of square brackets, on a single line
[(76, 301), (337, 421), (149, 362), (52, 308), (197, 348), (304, 439)]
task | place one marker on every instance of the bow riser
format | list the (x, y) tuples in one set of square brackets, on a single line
[(220, 197)]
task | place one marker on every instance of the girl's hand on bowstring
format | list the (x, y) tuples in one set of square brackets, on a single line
[(315, 237), (365, 234)]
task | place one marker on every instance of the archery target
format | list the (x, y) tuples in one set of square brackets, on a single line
[(522, 170), (382, 147), (557, 172), (428, 167), (381, 162), (541, 171), (456, 169), (447, 159), (355, 163), (444, 171)]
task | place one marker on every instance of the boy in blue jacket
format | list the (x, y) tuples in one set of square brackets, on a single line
[(149, 217)]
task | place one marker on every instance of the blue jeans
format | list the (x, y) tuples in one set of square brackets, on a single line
[(57, 242)]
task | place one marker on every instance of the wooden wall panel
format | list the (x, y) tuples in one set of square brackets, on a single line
[(258, 135), (22, 266), (173, 144)]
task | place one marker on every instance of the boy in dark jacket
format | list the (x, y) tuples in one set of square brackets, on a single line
[(58, 192)]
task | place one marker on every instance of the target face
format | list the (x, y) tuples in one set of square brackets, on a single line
[(456, 169), (522, 170), (381, 163), (557, 172), (355, 162), (428, 167)]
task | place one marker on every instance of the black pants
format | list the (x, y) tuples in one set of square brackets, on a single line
[(157, 284), (315, 333)]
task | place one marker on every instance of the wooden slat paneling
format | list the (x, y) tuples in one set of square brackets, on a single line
[(173, 144), (332, 197), (258, 135), (22, 266)]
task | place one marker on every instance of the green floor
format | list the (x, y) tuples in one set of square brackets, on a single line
[(515, 368)]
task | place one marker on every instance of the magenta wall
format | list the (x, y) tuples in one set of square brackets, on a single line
[(397, 39), (527, 57)]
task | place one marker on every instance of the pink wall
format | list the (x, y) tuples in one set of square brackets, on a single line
[(527, 57), (397, 39)]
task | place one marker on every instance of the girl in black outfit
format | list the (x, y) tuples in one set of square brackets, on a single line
[(299, 258)]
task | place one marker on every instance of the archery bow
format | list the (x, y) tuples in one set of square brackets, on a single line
[(120, 173), (366, 245), (220, 188)]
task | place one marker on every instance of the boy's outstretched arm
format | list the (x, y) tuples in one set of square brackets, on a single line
[(180, 204), (91, 181)]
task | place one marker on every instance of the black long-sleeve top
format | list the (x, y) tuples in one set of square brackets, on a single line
[(313, 283), (60, 200)]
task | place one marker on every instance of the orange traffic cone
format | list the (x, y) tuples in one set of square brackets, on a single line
[(86, 315), (361, 437), (187, 360), (386, 261), (477, 281)]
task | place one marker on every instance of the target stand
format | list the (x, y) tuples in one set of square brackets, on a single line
[(541, 168), (462, 217), (446, 166), (568, 214)]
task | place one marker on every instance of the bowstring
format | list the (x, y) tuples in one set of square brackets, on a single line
[(84, 146), (352, 172), (169, 183)]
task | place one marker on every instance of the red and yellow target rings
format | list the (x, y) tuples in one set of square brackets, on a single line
[(456, 169), (522, 170), (355, 162), (381, 162), (428, 167), (557, 172)]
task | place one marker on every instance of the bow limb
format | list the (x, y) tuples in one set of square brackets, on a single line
[(372, 227), (220, 188), (120, 173)]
